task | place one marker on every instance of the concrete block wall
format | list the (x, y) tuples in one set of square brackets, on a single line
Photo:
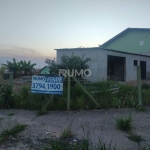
[(99, 59)]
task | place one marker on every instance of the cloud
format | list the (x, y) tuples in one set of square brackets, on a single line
[(8, 52), (16, 51)]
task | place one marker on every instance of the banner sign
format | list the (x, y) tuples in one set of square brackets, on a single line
[(47, 85)]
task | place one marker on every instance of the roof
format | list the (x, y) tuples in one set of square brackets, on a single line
[(75, 48), (122, 33), (100, 48), (44, 68)]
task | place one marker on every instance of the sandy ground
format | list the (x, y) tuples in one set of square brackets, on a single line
[(98, 124)]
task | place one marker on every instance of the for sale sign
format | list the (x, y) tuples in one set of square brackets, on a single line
[(47, 85)]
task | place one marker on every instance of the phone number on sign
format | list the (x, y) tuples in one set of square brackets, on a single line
[(45, 86)]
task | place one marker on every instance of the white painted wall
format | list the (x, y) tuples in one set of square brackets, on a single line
[(98, 64)]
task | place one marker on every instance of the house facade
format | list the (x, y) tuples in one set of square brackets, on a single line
[(132, 40), (117, 58)]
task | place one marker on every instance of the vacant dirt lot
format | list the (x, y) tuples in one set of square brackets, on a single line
[(98, 124)]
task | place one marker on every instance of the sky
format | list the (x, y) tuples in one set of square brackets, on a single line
[(32, 29)]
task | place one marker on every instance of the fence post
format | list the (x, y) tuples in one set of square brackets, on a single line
[(139, 85), (68, 94)]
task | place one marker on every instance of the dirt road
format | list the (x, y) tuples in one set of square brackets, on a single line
[(98, 124)]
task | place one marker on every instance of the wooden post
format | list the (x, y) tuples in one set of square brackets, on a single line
[(68, 93)]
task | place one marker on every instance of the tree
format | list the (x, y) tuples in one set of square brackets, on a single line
[(18, 67), (27, 67), (13, 66), (2, 71), (72, 62)]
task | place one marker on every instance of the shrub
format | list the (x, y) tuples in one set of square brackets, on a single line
[(145, 86), (146, 97), (6, 98)]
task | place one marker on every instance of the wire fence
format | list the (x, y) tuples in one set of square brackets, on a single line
[(135, 77)]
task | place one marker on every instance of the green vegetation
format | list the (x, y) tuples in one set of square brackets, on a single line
[(124, 124), (11, 132), (63, 144), (108, 95), (6, 98), (2, 70), (18, 67), (72, 62), (8, 130), (136, 138), (67, 133)]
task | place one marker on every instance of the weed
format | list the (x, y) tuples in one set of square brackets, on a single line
[(83, 144), (67, 133), (63, 145), (103, 146), (11, 132), (136, 138), (124, 124)]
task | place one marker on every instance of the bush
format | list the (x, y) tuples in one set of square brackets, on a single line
[(6, 98), (145, 86), (146, 97)]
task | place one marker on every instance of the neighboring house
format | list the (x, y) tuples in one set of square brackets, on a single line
[(45, 70), (133, 40), (118, 57)]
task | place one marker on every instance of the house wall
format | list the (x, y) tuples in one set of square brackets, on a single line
[(98, 64), (131, 42)]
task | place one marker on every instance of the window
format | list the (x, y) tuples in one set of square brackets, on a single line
[(135, 62), (141, 43)]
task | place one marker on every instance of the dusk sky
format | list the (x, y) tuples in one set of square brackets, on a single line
[(32, 29)]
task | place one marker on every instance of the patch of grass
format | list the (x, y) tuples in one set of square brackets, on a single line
[(103, 146), (67, 133), (136, 138), (58, 144), (124, 124), (11, 132), (84, 144)]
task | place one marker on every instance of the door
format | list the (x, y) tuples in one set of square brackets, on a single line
[(143, 69)]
